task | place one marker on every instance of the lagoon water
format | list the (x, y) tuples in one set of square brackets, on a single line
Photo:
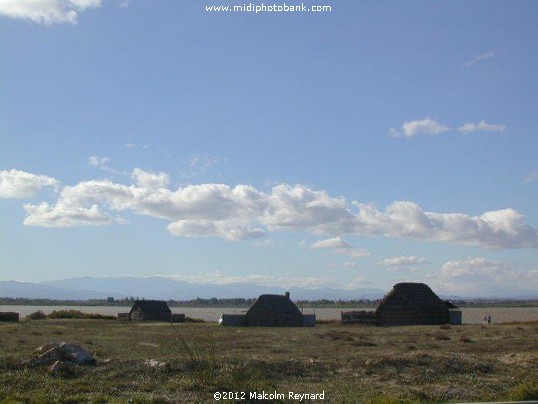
[(470, 315)]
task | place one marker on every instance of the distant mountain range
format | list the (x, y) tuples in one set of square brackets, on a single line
[(158, 287)]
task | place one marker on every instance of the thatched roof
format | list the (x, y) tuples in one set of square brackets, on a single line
[(151, 310), (274, 310), (412, 303), (450, 305)]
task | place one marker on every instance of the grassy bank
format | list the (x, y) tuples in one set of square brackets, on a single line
[(428, 364)]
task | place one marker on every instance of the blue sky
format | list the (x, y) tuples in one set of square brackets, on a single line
[(371, 144)]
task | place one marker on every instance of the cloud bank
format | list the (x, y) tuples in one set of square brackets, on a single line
[(243, 212), (479, 276)]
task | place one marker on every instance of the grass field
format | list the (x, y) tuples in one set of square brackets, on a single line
[(349, 363)]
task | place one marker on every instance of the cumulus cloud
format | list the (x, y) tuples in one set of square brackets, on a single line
[(504, 228), (228, 229), (150, 180), (20, 184), (402, 261), (337, 245), (479, 58), (64, 215), (421, 127), (477, 276), (481, 126), (242, 212), (46, 11)]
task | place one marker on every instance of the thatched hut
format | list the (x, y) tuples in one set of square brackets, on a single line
[(155, 310), (412, 304), (9, 316), (274, 311)]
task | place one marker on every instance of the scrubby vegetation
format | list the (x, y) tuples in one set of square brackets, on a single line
[(72, 314), (349, 363)]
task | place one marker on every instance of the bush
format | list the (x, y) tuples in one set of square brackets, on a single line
[(79, 315), (37, 315)]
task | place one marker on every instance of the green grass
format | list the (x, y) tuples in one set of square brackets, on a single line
[(349, 363)]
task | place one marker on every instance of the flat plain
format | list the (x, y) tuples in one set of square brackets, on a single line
[(192, 361)]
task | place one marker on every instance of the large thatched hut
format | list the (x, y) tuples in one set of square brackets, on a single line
[(155, 310), (274, 311), (412, 304)]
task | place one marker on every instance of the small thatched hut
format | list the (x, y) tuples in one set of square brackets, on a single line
[(155, 310), (412, 304), (274, 311), (9, 316)]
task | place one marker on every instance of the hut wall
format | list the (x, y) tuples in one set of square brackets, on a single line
[(309, 320), (268, 318), (232, 320), (358, 317), (9, 316), (137, 315), (177, 318), (454, 316), (124, 316)]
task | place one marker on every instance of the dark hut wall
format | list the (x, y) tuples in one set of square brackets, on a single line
[(412, 304)]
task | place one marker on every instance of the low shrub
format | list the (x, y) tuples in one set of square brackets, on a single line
[(37, 315), (79, 315)]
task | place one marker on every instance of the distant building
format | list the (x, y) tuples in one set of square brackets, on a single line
[(408, 304), (270, 311), (153, 310)]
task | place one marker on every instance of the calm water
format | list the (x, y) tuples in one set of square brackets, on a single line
[(470, 315)]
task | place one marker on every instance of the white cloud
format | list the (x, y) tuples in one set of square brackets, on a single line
[(425, 126), (482, 277), (150, 180), (228, 229), (481, 126), (98, 162), (496, 229), (350, 264), (339, 246), (479, 58), (243, 211), (46, 11), (402, 261), (20, 184), (431, 127), (60, 215)]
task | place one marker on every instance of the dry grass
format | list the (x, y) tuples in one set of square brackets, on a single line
[(351, 363)]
